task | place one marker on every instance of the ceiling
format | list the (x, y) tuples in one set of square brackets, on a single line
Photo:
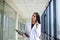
[(28, 7)]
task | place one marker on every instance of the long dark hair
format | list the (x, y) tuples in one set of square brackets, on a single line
[(37, 17)]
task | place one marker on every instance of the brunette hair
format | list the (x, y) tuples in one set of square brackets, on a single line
[(37, 17)]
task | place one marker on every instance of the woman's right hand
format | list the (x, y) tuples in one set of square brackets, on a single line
[(23, 35)]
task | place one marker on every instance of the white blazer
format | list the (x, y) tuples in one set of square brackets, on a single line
[(33, 33)]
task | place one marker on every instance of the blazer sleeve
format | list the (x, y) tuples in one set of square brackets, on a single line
[(38, 31)]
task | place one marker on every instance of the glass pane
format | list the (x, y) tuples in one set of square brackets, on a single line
[(21, 27), (5, 28), (47, 20), (9, 23), (1, 27), (58, 17), (0, 17), (45, 24), (52, 29), (11, 28)]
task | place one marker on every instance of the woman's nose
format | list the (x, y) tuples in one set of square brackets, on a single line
[(32, 17)]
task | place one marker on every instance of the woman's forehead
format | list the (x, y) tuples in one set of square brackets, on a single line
[(34, 15)]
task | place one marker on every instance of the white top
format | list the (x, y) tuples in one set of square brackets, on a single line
[(34, 33)]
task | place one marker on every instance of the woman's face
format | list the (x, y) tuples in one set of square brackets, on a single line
[(33, 18)]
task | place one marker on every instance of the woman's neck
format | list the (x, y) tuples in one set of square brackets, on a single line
[(33, 23)]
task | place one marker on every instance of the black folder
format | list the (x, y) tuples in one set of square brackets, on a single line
[(21, 33)]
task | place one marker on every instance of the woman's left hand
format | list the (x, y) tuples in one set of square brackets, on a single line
[(37, 25)]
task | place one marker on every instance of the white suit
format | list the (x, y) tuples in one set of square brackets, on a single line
[(34, 33)]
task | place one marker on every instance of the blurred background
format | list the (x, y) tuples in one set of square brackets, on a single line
[(14, 14)]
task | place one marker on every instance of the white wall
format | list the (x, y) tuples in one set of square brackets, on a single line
[(27, 7)]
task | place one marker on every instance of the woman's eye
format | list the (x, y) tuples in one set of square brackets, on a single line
[(34, 16)]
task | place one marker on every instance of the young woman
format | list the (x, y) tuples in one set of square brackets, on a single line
[(33, 29)]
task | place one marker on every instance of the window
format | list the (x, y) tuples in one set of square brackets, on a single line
[(45, 23), (52, 26), (9, 23), (58, 18), (47, 19)]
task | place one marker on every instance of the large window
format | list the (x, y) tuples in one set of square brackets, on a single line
[(1, 20), (9, 23), (49, 28), (53, 14)]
